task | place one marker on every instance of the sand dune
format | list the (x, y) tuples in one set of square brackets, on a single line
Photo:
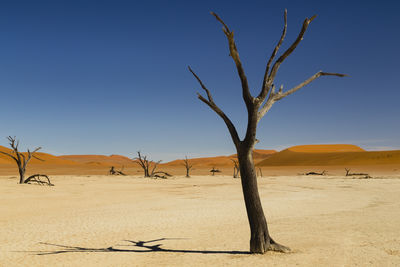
[(325, 148), (45, 158), (220, 161), (304, 155), (290, 158), (113, 160)]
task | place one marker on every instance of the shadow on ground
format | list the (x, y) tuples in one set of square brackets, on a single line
[(135, 247)]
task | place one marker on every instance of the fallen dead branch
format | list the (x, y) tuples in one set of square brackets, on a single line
[(113, 171), (36, 179), (363, 175), (316, 173)]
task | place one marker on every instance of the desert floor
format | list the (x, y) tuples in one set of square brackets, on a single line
[(198, 221)]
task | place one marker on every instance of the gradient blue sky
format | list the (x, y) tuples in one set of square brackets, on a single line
[(110, 77)]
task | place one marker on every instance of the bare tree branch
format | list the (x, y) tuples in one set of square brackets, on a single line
[(210, 102), (9, 155), (248, 98), (281, 95), (154, 168), (265, 87), (273, 97), (299, 38)]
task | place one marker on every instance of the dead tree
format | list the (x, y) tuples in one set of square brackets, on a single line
[(316, 173), (348, 173), (236, 169), (260, 172), (113, 171), (188, 166), (214, 170), (36, 179), (19, 157), (257, 107), (144, 163), (149, 167)]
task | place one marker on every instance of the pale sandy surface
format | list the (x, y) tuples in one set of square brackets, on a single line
[(327, 221)]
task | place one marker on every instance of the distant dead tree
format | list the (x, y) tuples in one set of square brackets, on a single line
[(214, 170), (145, 164), (236, 169), (348, 173), (260, 172), (316, 173), (19, 157), (149, 167), (113, 171), (257, 107), (188, 166)]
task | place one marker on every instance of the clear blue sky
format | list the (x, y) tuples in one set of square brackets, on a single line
[(110, 77)]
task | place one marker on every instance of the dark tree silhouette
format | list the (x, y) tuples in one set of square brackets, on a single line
[(19, 157), (257, 107), (145, 163), (188, 166), (113, 171), (214, 170), (149, 167)]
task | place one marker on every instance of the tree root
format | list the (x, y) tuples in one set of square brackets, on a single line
[(266, 244), (273, 246)]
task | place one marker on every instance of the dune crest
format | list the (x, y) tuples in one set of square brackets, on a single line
[(100, 159), (221, 161), (325, 148)]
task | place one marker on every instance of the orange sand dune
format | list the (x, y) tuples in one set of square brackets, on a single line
[(325, 148), (289, 158), (113, 160), (45, 158), (220, 161)]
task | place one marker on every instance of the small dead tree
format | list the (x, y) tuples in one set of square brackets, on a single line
[(257, 107), (149, 167), (260, 172), (144, 163), (19, 157), (188, 166), (113, 171), (236, 169), (214, 170)]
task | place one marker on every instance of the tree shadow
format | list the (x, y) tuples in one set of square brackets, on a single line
[(137, 247)]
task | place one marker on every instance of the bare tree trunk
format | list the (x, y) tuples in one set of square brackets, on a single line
[(21, 175), (260, 240)]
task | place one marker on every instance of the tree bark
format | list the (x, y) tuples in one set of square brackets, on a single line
[(260, 240), (21, 175)]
